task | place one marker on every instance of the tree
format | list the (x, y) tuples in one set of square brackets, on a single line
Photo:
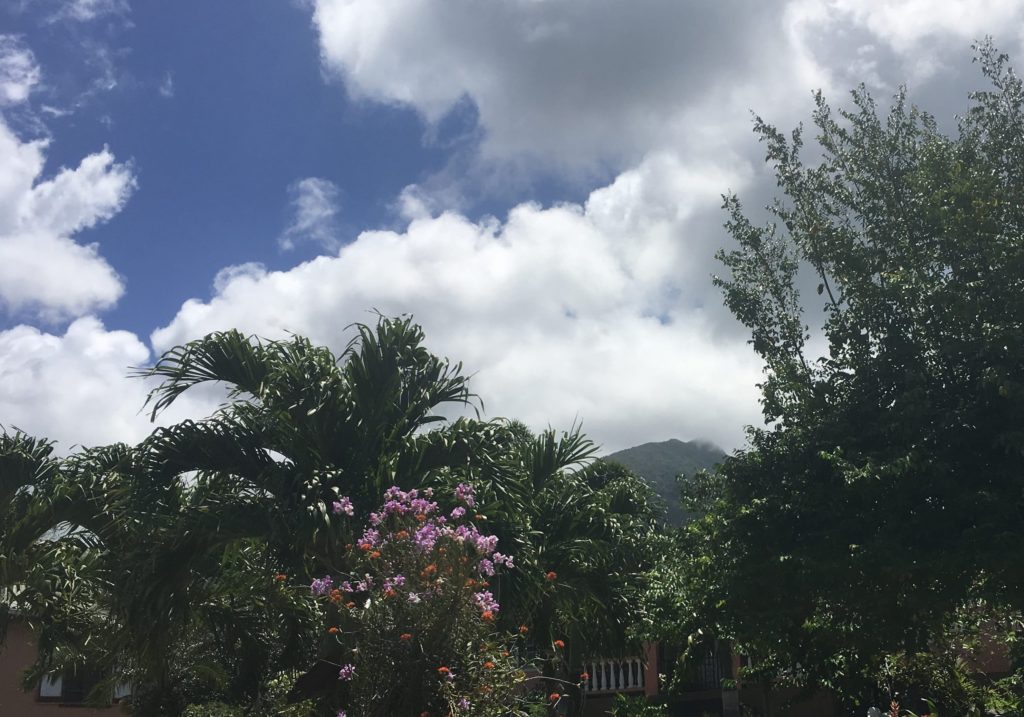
[(886, 491), (188, 532)]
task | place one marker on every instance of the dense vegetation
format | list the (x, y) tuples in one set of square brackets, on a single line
[(192, 554), (876, 525)]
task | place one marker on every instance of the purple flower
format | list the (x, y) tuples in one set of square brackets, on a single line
[(485, 601), (342, 713), (458, 512), (321, 586), (426, 537), (486, 567), (463, 704), (346, 672), (464, 492), (500, 559), (414, 598), (395, 582), (343, 505), (486, 545)]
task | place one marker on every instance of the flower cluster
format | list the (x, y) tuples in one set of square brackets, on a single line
[(412, 521), (418, 592), (343, 505)]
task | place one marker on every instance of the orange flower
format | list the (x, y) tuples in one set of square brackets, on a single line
[(523, 629), (429, 570), (505, 653), (332, 630), (560, 644), (487, 615), (554, 697), (485, 584), (375, 554), (389, 593), (335, 595), (280, 577), (405, 636), (478, 516), (402, 534), (470, 582), (424, 713), (365, 547), (551, 576), (489, 665), (350, 605), (584, 676), (420, 517), (442, 670)]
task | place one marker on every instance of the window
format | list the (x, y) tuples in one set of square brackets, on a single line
[(73, 688)]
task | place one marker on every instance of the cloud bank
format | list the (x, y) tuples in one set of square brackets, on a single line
[(601, 311)]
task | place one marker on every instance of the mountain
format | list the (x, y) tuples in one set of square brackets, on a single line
[(660, 463)]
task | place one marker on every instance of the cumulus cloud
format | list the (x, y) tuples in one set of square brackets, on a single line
[(591, 311), (43, 271), (314, 206), (74, 387), (588, 83)]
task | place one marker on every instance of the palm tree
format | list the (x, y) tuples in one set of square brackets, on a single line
[(582, 534)]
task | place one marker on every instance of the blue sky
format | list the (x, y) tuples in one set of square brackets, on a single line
[(537, 181), (244, 113)]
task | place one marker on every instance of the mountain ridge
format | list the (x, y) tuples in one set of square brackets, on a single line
[(659, 462)]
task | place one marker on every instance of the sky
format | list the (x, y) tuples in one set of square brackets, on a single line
[(538, 182)]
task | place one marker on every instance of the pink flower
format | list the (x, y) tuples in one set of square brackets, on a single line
[(343, 505)]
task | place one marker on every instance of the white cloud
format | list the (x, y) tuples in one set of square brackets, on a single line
[(314, 204), (74, 387), (63, 386), (571, 83), (166, 88), (42, 269), (19, 72), (86, 10), (588, 84), (602, 311)]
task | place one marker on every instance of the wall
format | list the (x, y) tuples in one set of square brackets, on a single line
[(17, 654)]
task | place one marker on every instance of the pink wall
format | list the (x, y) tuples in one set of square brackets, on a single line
[(15, 656)]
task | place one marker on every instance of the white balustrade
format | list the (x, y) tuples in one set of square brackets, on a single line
[(622, 675)]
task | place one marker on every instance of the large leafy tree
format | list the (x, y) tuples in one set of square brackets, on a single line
[(888, 489)]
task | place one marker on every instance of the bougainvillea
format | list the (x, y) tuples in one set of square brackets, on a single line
[(412, 623)]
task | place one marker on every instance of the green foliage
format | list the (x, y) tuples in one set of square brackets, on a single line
[(581, 533), (624, 706), (154, 564), (886, 493), (212, 709)]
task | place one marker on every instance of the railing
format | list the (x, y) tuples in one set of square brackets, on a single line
[(625, 675)]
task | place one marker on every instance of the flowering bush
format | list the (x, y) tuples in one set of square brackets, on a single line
[(411, 626)]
